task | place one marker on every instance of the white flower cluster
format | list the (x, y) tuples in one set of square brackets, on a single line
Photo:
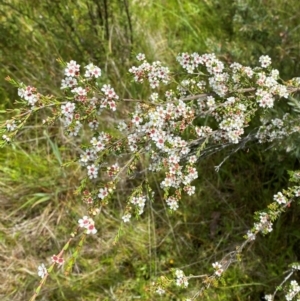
[(68, 82), (126, 217), (29, 94), (159, 129), (158, 126), (277, 129), (181, 279), (172, 202), (139, 201), (72, 69), (80, 94), (154, 73), (265, 224), (233, 121), (160, 291), (67, 111), (192, 61), (110, 96), (10, 125), (6, 138), (92, 71), (203, 131), (87, 223), (250, 235), (296, 266), (218, 268), (294, 290), (98, 144), (265, 61), (268, 297)]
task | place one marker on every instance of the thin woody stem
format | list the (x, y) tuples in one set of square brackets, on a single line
[(43, 281)]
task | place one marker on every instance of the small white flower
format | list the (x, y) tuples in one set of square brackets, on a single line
[(103, 193), (160, 291), (68, 109), (265, 61), (80, 91), (87, 223), (181, 280), (6, 138), (250, 235), (140, 57), (93, 124), (172, 202), (72, 69), (91, 229), (179, 273), (11, 125), (126, 217), (92, 171), (218, 268), (210, 101), (268, 297), (154, 96), (84, 222), (42, 271), (122, 126), (296, 267), (280, 198), (192, 159), (92, 70)]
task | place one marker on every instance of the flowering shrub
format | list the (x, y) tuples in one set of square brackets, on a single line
[(182, 121)]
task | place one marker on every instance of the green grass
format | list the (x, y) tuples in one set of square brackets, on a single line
[(38, 219)]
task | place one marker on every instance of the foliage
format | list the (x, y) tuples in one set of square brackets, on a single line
[(258, 27), (39, 175)]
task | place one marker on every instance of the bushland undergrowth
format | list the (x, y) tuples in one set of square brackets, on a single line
[(39, 172)]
